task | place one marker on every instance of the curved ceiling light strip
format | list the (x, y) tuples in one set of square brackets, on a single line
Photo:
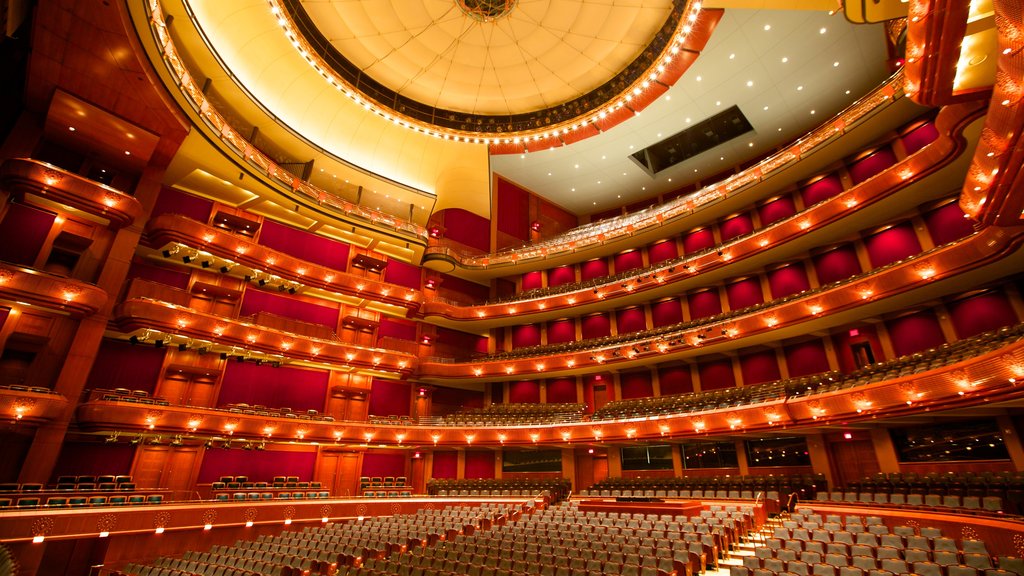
[(554, 126)]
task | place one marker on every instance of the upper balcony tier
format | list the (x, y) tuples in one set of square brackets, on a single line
[(23, 176), (991, 252), (610, 233), (982, 370), (865, 203), (174, 234), (58, 293)]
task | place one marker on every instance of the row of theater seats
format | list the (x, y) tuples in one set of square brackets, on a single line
[(126, 395), (383, 481), (944, 355), (516, 414), (556, 488), (807, 484), (283, 412), (960, 484), (243, 496), (809, 545), (23, 388), (392, 419), (83, 483), (81, 501), (951, 501)]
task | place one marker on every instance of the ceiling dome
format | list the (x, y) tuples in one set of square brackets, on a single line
[(483, 66)]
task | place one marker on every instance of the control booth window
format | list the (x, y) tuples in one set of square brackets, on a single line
[(953, 441), (647, 458), (709, 455)]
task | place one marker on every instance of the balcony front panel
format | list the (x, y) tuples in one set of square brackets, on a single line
[(57, 293), (27, 176)]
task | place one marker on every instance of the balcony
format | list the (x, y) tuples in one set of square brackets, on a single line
[(162, 320), (57, 293), (988, 376), (27, 176), (32, 406), (242, 257)]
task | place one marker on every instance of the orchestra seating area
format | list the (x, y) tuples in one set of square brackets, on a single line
[(556, 488), (490, 539), (516, 414)]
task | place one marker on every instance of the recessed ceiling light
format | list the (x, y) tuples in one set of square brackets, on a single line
[(623, 173), (812, 111), (549, 173), (799, 88), (835, 64), (618, 195), (732, 56), (522, 155), (572, 189), (765, 107), (699, 78), (127, 153), (630, 146), (668, 96), (598, 181), (822, 30), (71, 128), (847, 91), (750, 83), (718, 102), (750, 144), (659, 134), (721, 157), (687, 120), (669, 179), (785, 59), (767, 27), (595, 203), (577, 166), (603, 157)]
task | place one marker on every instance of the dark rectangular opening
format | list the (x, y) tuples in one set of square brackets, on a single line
[(699, 138)]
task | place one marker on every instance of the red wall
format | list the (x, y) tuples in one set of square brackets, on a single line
[(947, 223), (258, 466), (837, 264), (789, 279), (915, 332), (595, 325), (23, 233), (919, 137), (826, 187), (758, 367), (120, 365), (446, 465), (171, 201), (782, 207), (466, 228), (561, 275), (666, 312), (704, 303), (698, 240), (867, 167), (629, 261), (295, 388), (533, 279), (479, 464), (528, 335), (743, 293), (562, 390), (715, 374), (593, 269), (662, 251), (630, 320), (675, 379), (636, 384), (389, 398), (403, 274), (524, 391), (512, 213), (304, 245), (981, 313), (892, 244), (560, 331), (94, 459), (383, 464), (736, 226), (254, 301), (805, 358)]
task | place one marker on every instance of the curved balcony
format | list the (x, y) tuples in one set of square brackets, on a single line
[(989, 377), (30, 406), (773, 320), (583, 297), (245, 152), (170, 231), (620, 227), (143, 314), (27, 176), (993, 191), (57, 293)]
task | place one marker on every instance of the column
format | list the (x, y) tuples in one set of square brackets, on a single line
[(614, 462), (885, 451), (817, 449)]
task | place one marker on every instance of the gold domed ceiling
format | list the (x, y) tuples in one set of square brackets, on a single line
[(498, 67)]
